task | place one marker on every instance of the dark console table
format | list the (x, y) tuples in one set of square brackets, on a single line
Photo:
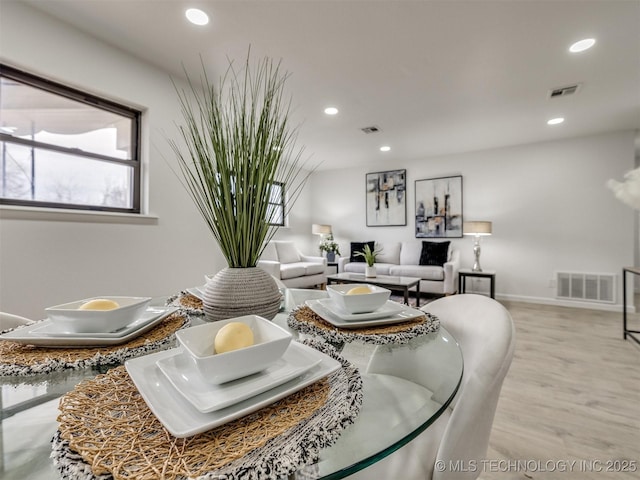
[(625, 331)]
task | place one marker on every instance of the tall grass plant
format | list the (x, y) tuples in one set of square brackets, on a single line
[(236, 143)]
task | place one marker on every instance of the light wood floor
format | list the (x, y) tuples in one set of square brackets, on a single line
[(572, 393)]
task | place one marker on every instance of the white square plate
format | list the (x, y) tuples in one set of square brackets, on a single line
[(27, 335), (182, 420), (404, 315), (386, 310), (207, 397), (197, 292), (52, 329)]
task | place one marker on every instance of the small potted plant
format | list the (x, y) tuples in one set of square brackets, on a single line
[(369, 257), (331, 247)]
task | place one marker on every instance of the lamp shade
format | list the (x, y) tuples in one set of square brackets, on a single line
[(318, 229), (476, 228)]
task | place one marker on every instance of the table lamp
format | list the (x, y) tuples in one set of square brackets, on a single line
[(479, 229), (318, 229)]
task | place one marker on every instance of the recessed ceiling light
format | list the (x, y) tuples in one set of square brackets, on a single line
[(385, 148), (555, 121), (331, 111), (196, 16), (582, 45)]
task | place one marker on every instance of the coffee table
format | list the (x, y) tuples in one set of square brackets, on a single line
[(387, 281)]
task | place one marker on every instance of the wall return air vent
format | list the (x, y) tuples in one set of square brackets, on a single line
[(586, 287)]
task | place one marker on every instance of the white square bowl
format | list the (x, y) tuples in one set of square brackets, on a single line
[(71, 319), (270, 343), (361, 302)]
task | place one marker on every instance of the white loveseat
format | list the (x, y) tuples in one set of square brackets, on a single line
[(403, 259), (295, 270)]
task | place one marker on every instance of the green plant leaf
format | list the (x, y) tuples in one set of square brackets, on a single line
[(368, 254)]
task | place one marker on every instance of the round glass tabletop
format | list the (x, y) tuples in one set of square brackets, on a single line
[(405, 389)]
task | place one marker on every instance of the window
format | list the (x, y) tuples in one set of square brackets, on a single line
[(63, 148), (275, 209)]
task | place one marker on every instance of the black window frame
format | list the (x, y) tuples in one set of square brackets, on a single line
[(92, 100), (279, 205)]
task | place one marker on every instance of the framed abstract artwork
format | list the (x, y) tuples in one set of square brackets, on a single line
[(439, 207), (386, 198)]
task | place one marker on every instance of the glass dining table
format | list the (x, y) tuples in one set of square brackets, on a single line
[(405, 387)]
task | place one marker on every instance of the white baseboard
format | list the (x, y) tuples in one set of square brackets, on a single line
[(566, 303)]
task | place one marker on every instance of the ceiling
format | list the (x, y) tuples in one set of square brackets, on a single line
[(436, 77)]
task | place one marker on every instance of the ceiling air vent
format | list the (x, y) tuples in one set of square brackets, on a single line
[(371, 129), (564, 91)]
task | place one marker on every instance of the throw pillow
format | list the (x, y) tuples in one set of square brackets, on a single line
[(287, 252), (434, 253), (359, 247)]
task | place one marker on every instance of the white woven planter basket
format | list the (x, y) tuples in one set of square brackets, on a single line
[(234, 292)]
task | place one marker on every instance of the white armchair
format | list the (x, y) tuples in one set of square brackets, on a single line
[(295, 270)]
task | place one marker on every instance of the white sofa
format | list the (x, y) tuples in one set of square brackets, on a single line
[(403, 259), (295, 270)]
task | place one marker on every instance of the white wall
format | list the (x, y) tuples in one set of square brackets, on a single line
[(46, 259), (548, 203)]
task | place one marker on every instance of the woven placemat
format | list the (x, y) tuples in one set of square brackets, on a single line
[(21, 359), (186, 303), (107, 431), (305, 320)]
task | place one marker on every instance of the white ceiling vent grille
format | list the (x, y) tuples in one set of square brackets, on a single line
[(590, 287), (564, 91), (371, 129)]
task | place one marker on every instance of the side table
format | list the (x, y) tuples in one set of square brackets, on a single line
[(625, 331), (463, 273), (331, 265)]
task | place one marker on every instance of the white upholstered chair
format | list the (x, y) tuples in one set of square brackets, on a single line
[(284, 261), (486, 335), (8, 320)]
